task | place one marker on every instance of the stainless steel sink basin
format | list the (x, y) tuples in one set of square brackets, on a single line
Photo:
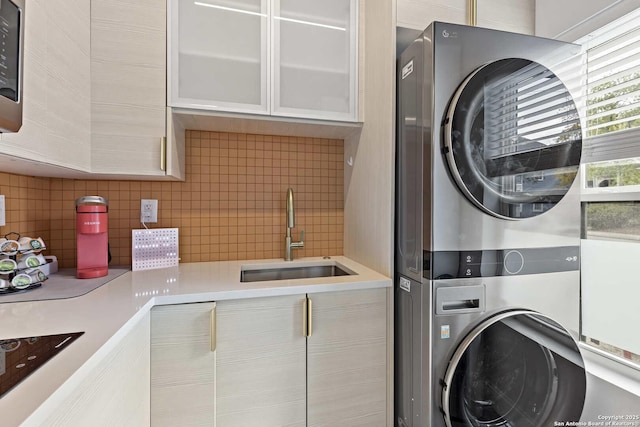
[(289, 273)]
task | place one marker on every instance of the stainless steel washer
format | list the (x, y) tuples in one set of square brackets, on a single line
[(487, 230), (499, 365)]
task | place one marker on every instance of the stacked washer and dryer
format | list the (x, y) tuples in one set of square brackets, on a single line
[(487, 231)]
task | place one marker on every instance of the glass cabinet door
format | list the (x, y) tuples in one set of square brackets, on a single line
[(314, 59), (219, 55)]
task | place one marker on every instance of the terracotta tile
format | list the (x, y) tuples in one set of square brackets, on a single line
[(230, 207)]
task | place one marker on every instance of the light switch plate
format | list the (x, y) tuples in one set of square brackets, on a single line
[(3, 220)]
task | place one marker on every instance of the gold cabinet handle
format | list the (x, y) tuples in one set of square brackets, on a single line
[(310, 321), (472, 7), (307, 317), (213, 329), (163, 153)]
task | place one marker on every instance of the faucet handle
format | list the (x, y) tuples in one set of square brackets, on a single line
[(302, 237)]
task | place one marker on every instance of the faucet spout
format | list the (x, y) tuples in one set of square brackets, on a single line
[(290, 218)]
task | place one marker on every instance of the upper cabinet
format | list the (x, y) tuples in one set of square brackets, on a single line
[(95, 93), (219, 55), (287, 58), (56, 125), (129, 134), (315, 59)]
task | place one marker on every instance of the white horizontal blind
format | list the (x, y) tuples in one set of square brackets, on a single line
[(613, 77), (611, 187)]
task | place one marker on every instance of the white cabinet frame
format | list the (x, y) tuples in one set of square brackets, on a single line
[(174, 100), (277, 110), (270, 75)]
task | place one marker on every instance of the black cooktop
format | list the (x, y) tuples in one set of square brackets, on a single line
[(20, 357)]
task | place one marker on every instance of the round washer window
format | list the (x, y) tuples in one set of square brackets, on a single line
[(518, 369), (513, 138)]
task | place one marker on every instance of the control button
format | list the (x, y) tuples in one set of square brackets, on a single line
[(469, 264), (471, 257), (513, 262)]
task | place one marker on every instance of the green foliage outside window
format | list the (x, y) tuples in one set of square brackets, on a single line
[(625, 103), (619, 217), (614, 174)]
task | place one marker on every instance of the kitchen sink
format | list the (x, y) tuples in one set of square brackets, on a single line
[(291, 273)]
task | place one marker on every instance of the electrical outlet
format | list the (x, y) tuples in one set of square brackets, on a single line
[(3, 220), (148, 210)]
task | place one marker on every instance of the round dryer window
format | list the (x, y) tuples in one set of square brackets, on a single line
[(513, 139), (516, 369)]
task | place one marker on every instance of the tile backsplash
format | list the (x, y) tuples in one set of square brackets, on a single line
[(26, 205), (231, 205)]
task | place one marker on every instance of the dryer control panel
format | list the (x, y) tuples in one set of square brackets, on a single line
[(501, 262)]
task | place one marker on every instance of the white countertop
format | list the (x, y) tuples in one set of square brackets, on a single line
[(109, 312)]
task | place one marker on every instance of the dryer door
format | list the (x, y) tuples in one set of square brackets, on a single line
[(516, 369), (513, 139)]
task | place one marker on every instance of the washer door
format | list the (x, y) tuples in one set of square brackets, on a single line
[(516, 369), (513, 139)]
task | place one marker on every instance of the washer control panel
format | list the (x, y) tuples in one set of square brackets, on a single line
[(502, 262)]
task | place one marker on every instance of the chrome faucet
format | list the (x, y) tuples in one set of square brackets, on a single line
[(291, 222)]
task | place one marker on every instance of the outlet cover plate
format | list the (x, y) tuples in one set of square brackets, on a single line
[(148, 210)]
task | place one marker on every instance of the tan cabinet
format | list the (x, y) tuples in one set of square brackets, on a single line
[(95, 93), (347, 359), (297, 360), (129, 134), (183, 365), (261, 362), (56, 125), (270, 373), (113, 388)]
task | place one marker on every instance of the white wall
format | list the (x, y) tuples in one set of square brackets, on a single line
[(508, 15), (570, 20), (369, 182), (418, 14)]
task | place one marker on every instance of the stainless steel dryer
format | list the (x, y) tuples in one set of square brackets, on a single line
[(487, 230)]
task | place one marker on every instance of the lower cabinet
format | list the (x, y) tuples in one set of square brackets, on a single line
[(113, 389), (260, 366), (183, 365), (347, 359), (297, 360)]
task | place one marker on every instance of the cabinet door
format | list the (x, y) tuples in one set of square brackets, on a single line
[(260, 368), (219, 55), (182, 366), (128, 86), (56, 124), (347, 359), (113, 392), (314, 59)]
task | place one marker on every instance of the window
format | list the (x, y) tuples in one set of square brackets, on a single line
[(613, 78), (611, 189)]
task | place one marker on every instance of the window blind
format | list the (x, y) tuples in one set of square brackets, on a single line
[(613, 78)]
